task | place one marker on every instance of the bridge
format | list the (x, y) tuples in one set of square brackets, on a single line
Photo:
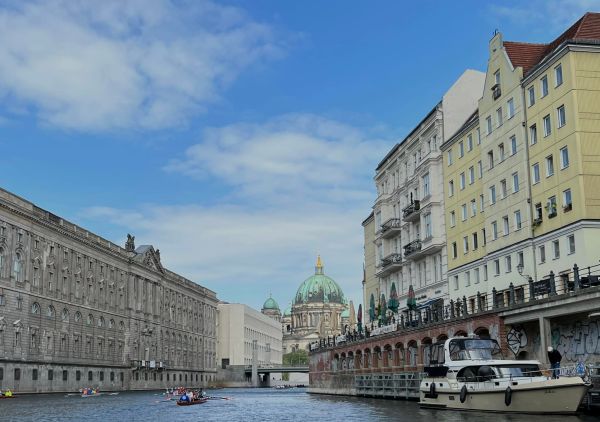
[(278, 369)]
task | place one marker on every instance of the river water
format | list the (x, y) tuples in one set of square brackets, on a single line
[(242, 405)]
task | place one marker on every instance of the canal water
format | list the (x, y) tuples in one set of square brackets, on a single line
[(242, 405)]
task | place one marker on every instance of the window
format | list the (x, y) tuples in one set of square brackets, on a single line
[(427, 220), (451, 188), (480, 169), (531, 92), (475, 243), (533, 134), (473, 208), (461, 149), (497, 267), (471, 175), (491, 159), (520, 259), (481, 203), (515, 182), (503, 190), (478, 136), (467, 278), (462, 181), (501, 152), (485, 272), (470, 142), (508, 263), (535, 173), (463, 212), (549, 166), (492, 195), (90, 376), (538, 211), (571, 240), (511, 108), (547, 126), (77, 375), (497, 77), (513, 145), (65, 375), (465, 244), (558, 76), (50, 374), (34, 374), (544, 86), (449, 157), (426, 191), (476, 275), (488, 122), (101, 375), (567, 202), (556, 249), (454, 250), (560, 115), (452, 219), (518, 222), (17, 374), (17, 271), (494, 230), (35, 308), (499, 116), (505, 225), (551, 206), (564, 158), (455, 282)]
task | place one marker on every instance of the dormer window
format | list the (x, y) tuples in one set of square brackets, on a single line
[(496, 93)]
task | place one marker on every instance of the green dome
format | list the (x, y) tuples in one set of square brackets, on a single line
[(271, 304), (319, 289), (346, 313), (288, 312)]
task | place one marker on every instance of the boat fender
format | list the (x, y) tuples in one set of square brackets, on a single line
[(508, 396), (432, 392), (463, 394)]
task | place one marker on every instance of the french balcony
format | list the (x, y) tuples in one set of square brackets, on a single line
[(389, 264), (412, 248), (431, 245), (411, 212), (390, 227)]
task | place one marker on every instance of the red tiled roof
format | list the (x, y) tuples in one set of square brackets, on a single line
[(528, 55)]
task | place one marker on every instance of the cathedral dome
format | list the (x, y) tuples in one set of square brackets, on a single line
[(287, 312), (319, 288), (270, 304)]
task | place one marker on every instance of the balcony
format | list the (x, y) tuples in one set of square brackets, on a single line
[(390, 227), (412, 248), (496, 92), (389, 264), (411, 212)]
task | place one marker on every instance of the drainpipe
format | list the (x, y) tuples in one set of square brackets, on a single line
[(528, 175)]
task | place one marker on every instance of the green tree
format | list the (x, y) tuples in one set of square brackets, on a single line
[(299, 357)]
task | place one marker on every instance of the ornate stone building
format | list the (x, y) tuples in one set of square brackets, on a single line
[(319, 309), (77, 310), (271, 309)]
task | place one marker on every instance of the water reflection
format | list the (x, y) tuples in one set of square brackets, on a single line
[(244, 405)]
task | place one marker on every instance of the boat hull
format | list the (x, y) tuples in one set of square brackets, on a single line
[(191, 403), (561, 396)]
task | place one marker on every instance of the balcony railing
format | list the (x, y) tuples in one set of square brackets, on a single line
[(411, 211), (389, 264), (390, 227), (412, 247)]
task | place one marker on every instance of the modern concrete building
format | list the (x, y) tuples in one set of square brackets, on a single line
[(530, 205), (409, 226), (78, 310), (240, 330)]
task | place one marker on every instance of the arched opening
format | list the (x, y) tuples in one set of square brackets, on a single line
[(412, 352), (399, 355), (426, 350), (388, 356), (335, 363), (343, 362), (358, 360), (441, 337), (376, 356), (367, 358), (350, 360), (461, 333), (483, 332)]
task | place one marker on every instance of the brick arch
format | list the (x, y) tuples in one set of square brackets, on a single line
[(461, 333), (399, 354), (351, 362), (358, 359), (377, 356), (425, 350), (482, 332), (367, 358), (412, 353), (388, 356), (441, 337)]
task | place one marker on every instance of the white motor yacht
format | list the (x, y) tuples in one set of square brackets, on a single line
[(467, 373)]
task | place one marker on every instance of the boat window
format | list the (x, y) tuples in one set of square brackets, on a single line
[(480, 349), (437, 354), (519, 371)]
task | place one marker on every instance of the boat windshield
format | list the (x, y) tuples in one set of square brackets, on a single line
[(474, 349), (519, 371)]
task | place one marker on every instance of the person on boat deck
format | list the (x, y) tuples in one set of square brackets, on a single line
[(8, 393), (185, 397), (554, 357)]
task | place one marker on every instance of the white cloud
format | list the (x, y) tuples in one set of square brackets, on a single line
[(112, 64), (323, 171), (555, 15)]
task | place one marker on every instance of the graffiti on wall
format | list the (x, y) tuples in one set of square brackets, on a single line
[(578, 341), (516, 338)]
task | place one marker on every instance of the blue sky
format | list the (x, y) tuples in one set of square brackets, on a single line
[(238, 137)]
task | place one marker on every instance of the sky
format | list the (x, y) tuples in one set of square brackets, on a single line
[(238, 137)]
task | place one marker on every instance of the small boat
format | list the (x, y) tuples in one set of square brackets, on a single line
[(191, 403), (469, 373), (7, 397)]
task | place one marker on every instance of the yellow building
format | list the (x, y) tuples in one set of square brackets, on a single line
[(536, 165)]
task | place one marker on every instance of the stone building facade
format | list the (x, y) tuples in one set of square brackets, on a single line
[(77, 310)]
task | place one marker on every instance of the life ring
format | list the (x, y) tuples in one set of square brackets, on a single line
[(463, 394), (508, 396), (432, 392)]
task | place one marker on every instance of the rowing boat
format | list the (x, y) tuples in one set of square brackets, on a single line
[(190, 403)]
